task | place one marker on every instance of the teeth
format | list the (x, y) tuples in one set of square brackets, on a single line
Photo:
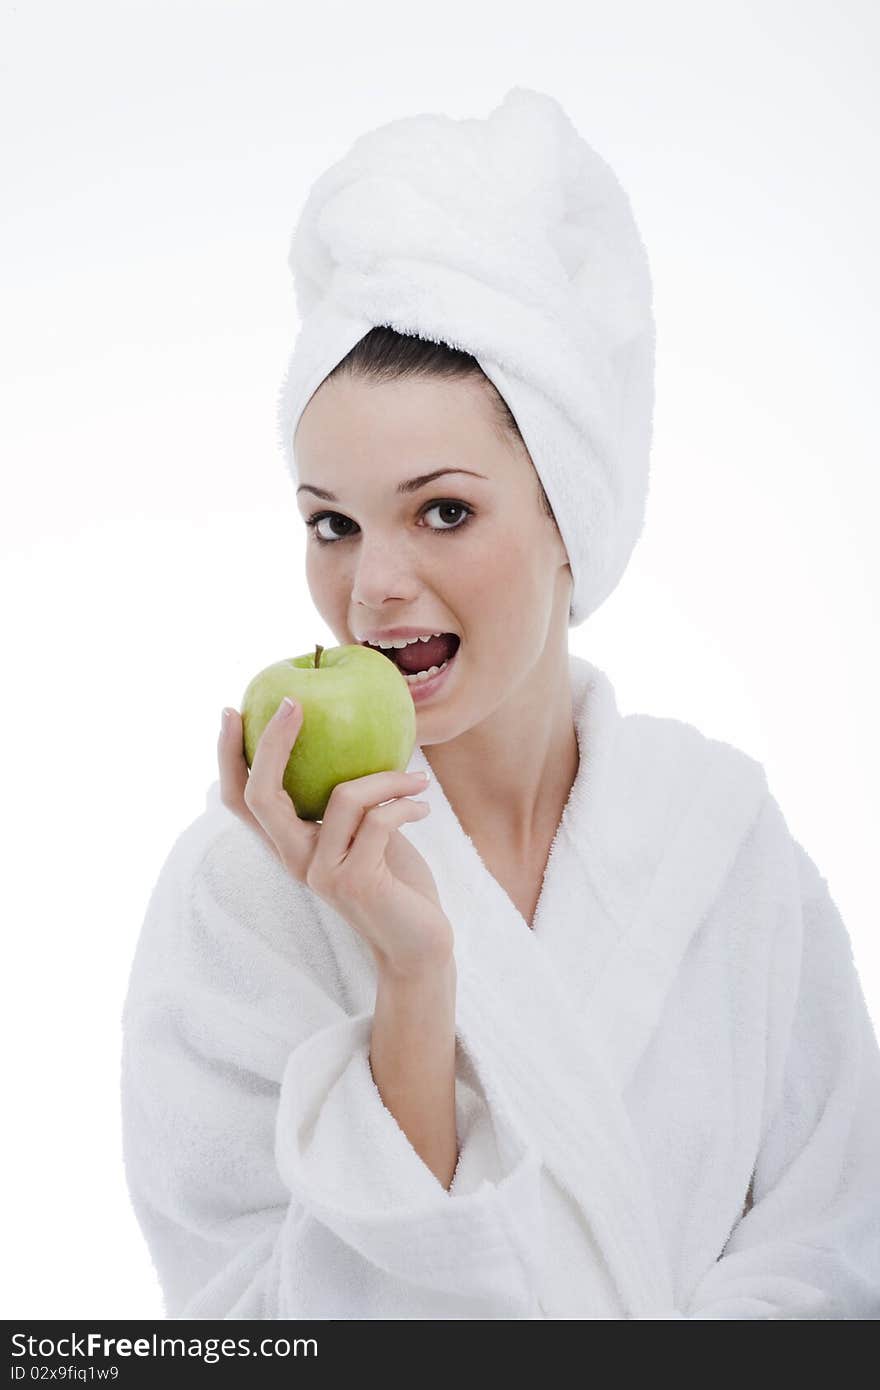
[(423, 675), (404, 641)]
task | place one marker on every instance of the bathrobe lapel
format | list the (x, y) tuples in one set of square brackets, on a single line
[(656, 816)]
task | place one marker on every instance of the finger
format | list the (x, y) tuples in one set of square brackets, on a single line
[(367, 855), (345, 811), (231, 761), (265, 795), (234, 774)]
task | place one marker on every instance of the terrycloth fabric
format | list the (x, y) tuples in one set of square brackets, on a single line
[(667, 1092), (512, 239)]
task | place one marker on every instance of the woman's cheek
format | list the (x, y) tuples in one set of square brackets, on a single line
[(326, 585)]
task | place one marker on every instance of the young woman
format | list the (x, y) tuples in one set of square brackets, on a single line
[(587, 1039)]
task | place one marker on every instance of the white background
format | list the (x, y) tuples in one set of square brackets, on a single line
[(154, 160)]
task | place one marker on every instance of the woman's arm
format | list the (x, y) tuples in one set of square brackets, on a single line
[(268, 1176), (412, 1059)]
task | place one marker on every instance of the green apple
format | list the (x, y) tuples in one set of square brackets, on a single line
[(358, 717)]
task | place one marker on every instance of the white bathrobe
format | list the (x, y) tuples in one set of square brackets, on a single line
[(667, 1091)]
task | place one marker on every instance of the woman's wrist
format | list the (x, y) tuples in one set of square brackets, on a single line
[(419, 972)]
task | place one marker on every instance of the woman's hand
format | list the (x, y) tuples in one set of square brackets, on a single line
[(355, 859)]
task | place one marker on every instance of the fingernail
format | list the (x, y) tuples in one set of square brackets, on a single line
[(224, 717), (287, 706), (425, 776)]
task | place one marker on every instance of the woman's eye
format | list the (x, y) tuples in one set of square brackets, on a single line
[(315, 521), (463, 510), (465, 513)]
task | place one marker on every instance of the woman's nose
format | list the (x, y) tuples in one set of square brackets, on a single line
[(383, 571)]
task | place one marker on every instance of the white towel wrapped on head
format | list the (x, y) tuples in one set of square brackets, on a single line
[(512, 239)]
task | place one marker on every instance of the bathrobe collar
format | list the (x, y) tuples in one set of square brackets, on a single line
[(656, 814)]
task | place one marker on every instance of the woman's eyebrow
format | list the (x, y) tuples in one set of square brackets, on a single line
[(409, 485)]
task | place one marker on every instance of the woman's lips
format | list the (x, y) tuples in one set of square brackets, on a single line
[(391, 652), (423, 688)]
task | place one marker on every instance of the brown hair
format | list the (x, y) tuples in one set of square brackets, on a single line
[(383, 354)]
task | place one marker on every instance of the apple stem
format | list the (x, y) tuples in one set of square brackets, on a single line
[(318, 651)]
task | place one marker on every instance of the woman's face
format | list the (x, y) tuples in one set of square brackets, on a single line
[(469, 552)]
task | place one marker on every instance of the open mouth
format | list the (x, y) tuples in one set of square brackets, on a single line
[(417, 657)]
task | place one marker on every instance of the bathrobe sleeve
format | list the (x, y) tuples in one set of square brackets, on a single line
[(809, 1246), (268, 1177)]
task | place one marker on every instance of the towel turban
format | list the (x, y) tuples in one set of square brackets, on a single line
[(509, 238)]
